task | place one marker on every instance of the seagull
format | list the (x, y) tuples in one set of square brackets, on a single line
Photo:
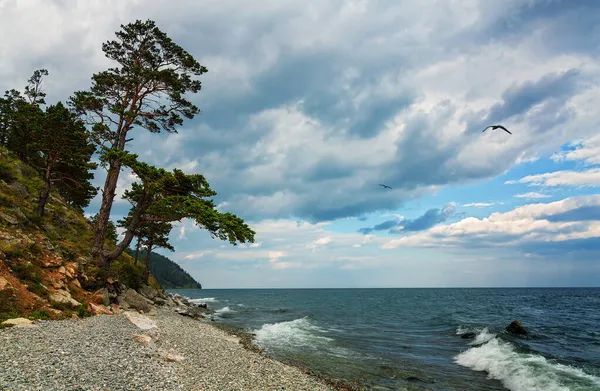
[(385, 186), (494, 127)]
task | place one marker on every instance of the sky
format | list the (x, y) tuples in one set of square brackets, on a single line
[(308, 106)]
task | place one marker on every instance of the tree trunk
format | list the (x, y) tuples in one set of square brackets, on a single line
[(108, 196), (44, 196), (129, 234), (147, 269), (137, 249)]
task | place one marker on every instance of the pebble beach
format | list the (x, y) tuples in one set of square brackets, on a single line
[(110, 352)]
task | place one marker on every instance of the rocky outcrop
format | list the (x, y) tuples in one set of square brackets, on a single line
[(516, 328), (63, 297), (131, 299)]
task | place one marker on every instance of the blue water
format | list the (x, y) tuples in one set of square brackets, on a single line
[(392, 339)]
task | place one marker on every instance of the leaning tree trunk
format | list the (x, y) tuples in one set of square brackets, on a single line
[(108, 196), (46, 193), (147, 270)]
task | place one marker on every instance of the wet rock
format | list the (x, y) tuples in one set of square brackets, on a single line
[(516, 328), (192, 312)]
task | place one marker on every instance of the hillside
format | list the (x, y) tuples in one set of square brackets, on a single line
[(168, 274), (45, 267)]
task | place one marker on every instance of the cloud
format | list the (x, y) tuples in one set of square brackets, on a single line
[(532, 195), (572, 219), (587, 150), (306, 109), (423, 222), (589, 177)]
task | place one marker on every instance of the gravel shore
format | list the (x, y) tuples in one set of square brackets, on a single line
[(99, 353)]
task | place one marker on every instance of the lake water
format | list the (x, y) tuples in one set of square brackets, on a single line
[(392, 339)]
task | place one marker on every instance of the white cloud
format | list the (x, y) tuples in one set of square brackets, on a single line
[(532, 195), (589, 177), (587, 150), (525, 223)]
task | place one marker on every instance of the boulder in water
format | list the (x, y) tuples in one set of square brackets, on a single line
[(516, 328), (468, 335)]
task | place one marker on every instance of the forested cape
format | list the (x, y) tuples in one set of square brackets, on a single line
[(146, 90), (168, 273)]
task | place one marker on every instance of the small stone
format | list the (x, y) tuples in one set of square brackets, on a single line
[(3, 283), (172, 357), (62, 270), (143, 339)]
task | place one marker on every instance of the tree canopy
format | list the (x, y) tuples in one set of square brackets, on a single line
[(169, 196), (147, 90)]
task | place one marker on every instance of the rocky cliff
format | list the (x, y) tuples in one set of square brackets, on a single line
[(45, 268)]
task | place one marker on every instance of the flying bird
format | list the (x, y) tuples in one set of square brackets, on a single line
[(494, 127), (385, 186)]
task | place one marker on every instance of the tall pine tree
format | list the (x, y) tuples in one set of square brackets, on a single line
[(146, 91)]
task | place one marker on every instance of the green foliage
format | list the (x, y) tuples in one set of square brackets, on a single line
[(66, 150), (146, 90), (30, 274), (173, 196), (39, 314), (82, 311), (128, 273), (169, 274), (111, 231)]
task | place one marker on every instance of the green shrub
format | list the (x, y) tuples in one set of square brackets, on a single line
[(26, 272), (82, 310), (39, 314), (129, 274)]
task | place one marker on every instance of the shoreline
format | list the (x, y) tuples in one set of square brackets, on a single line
[(109, 352), (247, 341)]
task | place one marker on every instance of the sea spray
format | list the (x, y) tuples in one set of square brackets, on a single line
[(523, 372)]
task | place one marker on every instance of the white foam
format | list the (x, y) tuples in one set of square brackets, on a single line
[(294, 333), (525, 372), (224, 310), (483, 337), (203, 300), (241, 305), (460, 330)]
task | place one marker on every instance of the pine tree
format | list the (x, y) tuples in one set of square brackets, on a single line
[(146, 91), (163, 196), (65, 151)]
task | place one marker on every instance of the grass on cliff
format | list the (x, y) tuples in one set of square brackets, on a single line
[(26, 239)]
